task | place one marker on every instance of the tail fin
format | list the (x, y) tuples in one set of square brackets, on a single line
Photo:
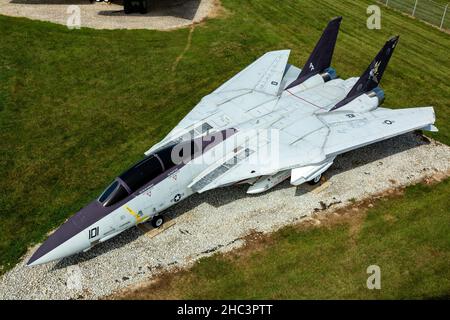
[(371, 78), (322, 54)]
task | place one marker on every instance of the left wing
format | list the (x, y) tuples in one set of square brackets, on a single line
[(330, 134), (256, 156)]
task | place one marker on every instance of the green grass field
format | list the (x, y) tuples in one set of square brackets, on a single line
[(407, 237), (430, 11), (79, 106)]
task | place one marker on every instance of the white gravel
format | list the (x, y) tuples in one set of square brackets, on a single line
[(167, 14), (218, 220)]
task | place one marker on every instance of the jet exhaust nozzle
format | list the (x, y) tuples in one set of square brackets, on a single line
[(379, 93), (329, 74)]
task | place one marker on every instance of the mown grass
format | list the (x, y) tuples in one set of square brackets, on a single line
[(430, 11), (406, 236), (79, 106)]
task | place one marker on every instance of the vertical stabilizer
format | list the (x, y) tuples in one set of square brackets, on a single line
[(322, 54), (371, 78)]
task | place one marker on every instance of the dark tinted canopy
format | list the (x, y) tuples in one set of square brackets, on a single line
[(145, 171), (142, 172), (113, 194), (108, 191)]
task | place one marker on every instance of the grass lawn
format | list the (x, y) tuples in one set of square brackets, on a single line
[(430, 11), (79, 106), (406, 236)]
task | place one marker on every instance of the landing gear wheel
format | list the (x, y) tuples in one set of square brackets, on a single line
[(157, 221), (316, 180)]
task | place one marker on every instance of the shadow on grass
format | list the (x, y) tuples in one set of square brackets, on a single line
[(222, 196)]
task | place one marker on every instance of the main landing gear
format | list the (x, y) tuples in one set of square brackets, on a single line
[(157, 221), (316, 180)]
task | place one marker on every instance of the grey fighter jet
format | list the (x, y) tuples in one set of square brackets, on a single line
[(270, 122)]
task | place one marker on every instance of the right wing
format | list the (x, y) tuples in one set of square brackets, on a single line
[(262, 79), (264, 75)]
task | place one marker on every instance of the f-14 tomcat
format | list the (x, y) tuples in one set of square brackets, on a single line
[(311, 116)]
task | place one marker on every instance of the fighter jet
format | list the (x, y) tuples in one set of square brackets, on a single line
[(270, 122)]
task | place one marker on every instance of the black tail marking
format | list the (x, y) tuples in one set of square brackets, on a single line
[(371, 78), (322, 54)]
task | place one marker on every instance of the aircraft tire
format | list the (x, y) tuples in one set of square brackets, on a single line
[(157, 221), (316, 180)]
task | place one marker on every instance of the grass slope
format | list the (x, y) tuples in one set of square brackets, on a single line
[(79, 106), (407, 237)]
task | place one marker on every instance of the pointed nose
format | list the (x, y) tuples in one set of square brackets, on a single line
[(70, 238)]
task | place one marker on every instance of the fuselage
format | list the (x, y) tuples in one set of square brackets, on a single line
[(158, 181), (140, 193), (270, 121)]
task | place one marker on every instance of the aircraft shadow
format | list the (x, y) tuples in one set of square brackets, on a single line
[(222, 196), (347, 161), (117, 242)]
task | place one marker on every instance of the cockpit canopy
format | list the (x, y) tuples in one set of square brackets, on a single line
[(131, 180), (142, 172), (113, 194), (138, 175)]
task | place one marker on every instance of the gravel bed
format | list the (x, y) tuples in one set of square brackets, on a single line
[(167, 14), (218, 220)]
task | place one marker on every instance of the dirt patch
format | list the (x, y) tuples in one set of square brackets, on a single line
[(164, 15), (186, 48)]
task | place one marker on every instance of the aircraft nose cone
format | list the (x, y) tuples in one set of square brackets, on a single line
[(69, 238)]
